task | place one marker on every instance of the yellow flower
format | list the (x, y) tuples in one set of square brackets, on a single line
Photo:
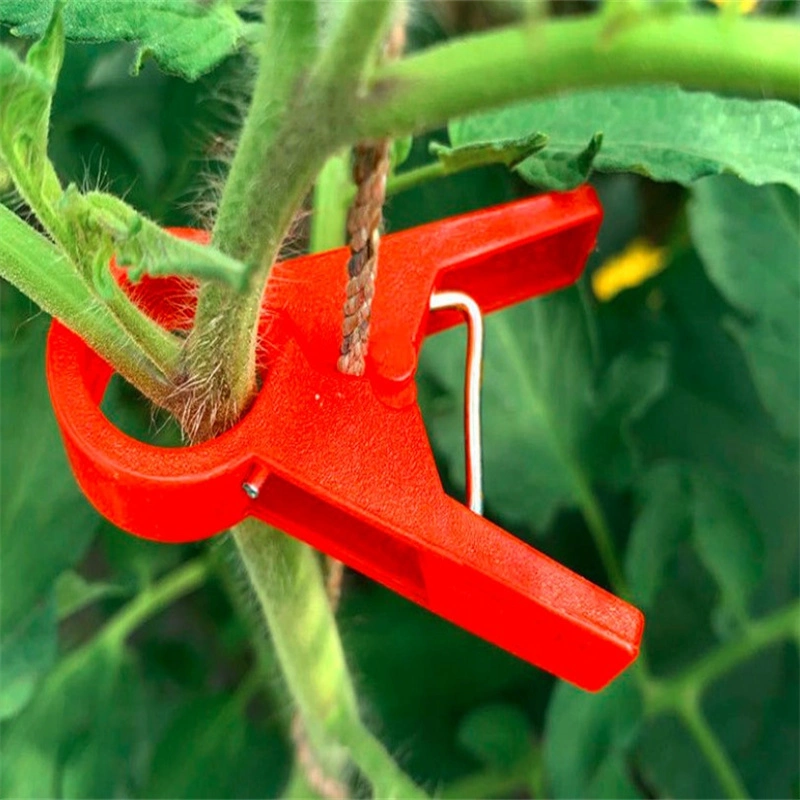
[(639, 261), (742, 6)]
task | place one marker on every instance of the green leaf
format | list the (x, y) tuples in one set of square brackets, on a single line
[(214, 730), (753, 711), (105, 225), (749, 240), (188, 37), (728, 541), (74, 593), (47, 55), (562, 170), (510, 152), (536, 399), (45, 522), (630, 385), (73, 739), (497, 735), (25, 117), (680, 502), (447, 672), (28, 651), (587, 737), (663, 522), (662, 132), (547, 428)]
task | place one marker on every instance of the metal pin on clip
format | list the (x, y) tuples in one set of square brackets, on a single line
[(344, 462)]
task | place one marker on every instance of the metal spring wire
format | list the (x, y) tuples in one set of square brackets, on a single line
[(472, 390)]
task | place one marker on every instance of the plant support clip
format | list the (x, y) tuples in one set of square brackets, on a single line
[(343, 462)]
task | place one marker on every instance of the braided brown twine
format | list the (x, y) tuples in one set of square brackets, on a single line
[(371, 162)]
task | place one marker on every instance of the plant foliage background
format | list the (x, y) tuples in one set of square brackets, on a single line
[(668, 412)]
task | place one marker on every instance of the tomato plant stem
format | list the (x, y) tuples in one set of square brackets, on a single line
[(466, 75), (288, 582), (332, 195), (37, 267), (416, 177), (294, 123)]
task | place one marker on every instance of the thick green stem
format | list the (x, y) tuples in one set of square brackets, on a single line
[(303, 110), (353, 44), (288, 581), (273, 167), (702, 51), (295, 120), (713, 751), (36, 267)]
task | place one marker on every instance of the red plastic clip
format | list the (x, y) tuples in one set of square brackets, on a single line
[(344, 463)]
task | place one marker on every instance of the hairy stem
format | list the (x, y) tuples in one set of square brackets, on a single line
[(37, 267), (309, 102), (702, 51), (288, 581), (293, 124)]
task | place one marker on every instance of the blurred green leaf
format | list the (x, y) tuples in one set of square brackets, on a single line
[(29, 650), (663, 495), (415, 666), (728, 541), (210, 730), (632, 382), (497, 735), (74, 592), (680, 502), (587, 740), (547, 428), (214, 731), (662, 132), (749, 240), (536, 404), (45, 522), (753, 711), (184, 36), (73, 739)]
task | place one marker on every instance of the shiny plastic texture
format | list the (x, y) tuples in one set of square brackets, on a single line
[(344, 462)]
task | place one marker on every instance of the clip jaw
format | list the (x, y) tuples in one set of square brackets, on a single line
[(344, 463)]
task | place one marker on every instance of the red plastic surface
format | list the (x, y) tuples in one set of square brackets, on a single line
[(344, 463)]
